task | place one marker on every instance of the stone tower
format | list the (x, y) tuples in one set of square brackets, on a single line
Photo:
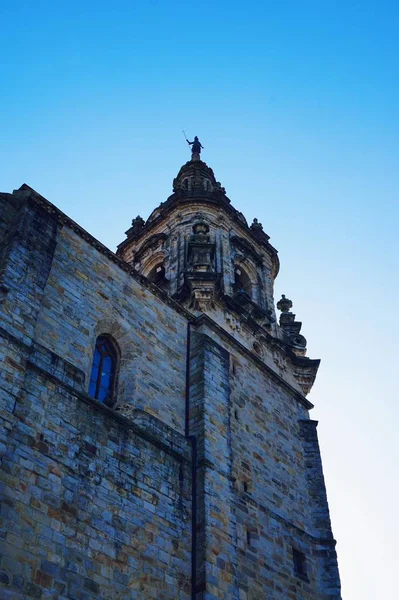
[(200, 250), (156, 440)]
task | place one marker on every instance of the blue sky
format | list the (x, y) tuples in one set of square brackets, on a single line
[(296, 104)]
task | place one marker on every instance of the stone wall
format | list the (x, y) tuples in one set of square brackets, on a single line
[(131, 501), (261, 480), (86, 295), (274, 506), (93, 505), (9, 206), (217, 575)]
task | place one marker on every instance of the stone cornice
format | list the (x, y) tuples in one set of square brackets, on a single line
[(36, 200), (246, 248), (151, 242), (247, 500), (207, 321), (254, 326)]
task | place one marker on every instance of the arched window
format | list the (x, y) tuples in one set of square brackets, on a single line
[(242, 282), (157, 274), (103, 371)]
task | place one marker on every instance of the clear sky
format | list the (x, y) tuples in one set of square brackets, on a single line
[(296, 104)]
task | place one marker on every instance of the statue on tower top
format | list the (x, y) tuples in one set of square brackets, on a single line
[(196, 148)]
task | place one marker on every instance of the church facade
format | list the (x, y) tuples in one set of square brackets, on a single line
[(156, 441)]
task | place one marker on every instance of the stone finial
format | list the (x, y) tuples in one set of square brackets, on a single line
[(291, 327), (257, 231), (138, 224), (137, 227), (284, 304), (256, 226)]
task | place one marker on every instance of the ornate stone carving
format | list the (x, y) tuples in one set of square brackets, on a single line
[(201, 251), (202, 295), (291, 328), (195, 178), (200, 229), (151, 243), (280, 362), (232, 322), (257, 230), (256, 226), (246, 248), (284, 304), (136, 229)]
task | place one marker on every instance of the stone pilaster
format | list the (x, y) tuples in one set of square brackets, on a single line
[(24, 269), (210, 424)]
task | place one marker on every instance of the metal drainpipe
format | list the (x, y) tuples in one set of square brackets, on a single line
[(193, 441)]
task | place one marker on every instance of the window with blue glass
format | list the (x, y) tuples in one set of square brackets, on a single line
[(103, 371)]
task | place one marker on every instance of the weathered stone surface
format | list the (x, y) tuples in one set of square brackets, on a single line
[(204, 476)]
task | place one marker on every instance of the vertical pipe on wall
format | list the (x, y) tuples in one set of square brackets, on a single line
[(193, 441)]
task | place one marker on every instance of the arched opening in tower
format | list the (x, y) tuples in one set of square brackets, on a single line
[(242, 282), (157, 274)]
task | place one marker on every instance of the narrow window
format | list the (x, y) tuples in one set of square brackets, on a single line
[(299, 559), (103, 371)]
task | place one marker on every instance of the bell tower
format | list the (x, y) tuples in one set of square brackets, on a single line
[(201, 251), (156, 438), (261, 526)]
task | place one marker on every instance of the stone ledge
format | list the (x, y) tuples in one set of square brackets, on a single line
[(331, 542), (72, 379), (149, 427)]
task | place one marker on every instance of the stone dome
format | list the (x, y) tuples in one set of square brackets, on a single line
[(195, 178)]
